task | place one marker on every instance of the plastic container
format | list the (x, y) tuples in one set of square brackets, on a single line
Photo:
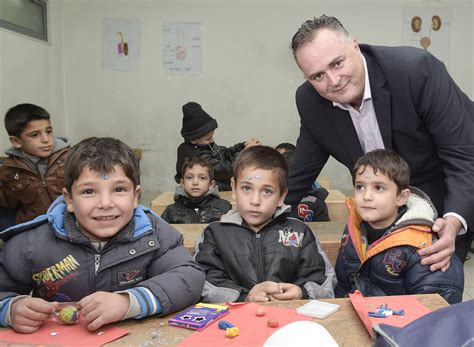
[(318, 309)]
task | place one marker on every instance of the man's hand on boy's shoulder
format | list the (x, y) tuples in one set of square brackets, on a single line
[(101, 308), (290, 292), (262, 291), (439, 254), (28, 314)]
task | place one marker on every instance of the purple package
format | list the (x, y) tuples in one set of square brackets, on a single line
[(198, 316)]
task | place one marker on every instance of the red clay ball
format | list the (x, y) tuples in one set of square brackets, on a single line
[(260, 312), (273, 323)]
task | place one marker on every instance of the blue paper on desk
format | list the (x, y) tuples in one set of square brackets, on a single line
[(199, 316)]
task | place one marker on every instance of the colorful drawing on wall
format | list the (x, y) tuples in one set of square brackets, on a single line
[(182, 48), (120, 45), (428, 28)]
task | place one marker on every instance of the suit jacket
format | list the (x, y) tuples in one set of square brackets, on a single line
[(422, 115)]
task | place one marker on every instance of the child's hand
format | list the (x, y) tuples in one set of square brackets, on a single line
[(29, 313), (290, 292), (102, 308), (252, 142), (263, 290)]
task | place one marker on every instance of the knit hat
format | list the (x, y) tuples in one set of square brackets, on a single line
[(196, 121)]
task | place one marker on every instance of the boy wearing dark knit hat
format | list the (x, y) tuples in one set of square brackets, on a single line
[(198, 133)]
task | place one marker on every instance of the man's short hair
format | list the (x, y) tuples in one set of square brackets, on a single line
[(308, 29), (18, 117), (191, 161), (286, 146), (388, 163), (264, 158), (100, 154)]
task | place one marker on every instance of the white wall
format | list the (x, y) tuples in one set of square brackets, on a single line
[(248, 75)]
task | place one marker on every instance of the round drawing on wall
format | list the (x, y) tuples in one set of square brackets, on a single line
[(416, 24), (436, 23)]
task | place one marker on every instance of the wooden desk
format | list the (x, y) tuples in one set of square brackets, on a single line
[(324, 182), (336, 202), (344, 325), (328, 233)]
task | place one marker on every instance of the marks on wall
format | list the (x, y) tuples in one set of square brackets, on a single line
[(182, 48), (120, 44), (428, 28)]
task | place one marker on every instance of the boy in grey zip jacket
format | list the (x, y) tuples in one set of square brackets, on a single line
[(96, 246)]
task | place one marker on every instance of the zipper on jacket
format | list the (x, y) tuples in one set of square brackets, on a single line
[(215, 151), (43, 181), (258, 261), (97, 263)]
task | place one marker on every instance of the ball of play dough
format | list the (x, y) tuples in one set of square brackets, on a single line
[(260, 311), (232, 332), (69, 315), (273, 323)]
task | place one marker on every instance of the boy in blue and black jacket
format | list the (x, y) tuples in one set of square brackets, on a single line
[(138, 263)]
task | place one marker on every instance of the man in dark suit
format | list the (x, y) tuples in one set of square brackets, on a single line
[(357, 98)]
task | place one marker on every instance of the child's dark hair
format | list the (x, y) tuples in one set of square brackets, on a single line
[(264, 158), (190, 162), (388, 163), (18, 117), (286, 146), (288, 156), (100, 154)]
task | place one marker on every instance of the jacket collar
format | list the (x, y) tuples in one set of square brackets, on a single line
[(234, 217), (181, 196)]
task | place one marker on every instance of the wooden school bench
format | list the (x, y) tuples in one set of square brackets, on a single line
[(344, 325), (336, 202), (324, 182), (328, 233)]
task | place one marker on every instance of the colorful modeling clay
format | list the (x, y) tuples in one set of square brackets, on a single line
[(384, 311), (69, 315), (232, 332), (260, 312), (224, 325)]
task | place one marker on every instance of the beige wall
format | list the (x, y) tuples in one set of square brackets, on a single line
[(248, 75)]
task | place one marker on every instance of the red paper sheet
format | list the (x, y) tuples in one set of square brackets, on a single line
[(67, 335), (253, 330), (413, 309)]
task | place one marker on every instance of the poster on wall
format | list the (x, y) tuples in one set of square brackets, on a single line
[(428, 28), (120, 44), (182, 48)]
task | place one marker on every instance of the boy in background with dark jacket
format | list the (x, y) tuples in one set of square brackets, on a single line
[(388, 222), (32, 176), (260, 253), (198, 133), (312, 208), (197, 198), (98, 247)]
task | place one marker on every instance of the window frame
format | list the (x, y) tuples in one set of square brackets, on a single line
[(26, 31)]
